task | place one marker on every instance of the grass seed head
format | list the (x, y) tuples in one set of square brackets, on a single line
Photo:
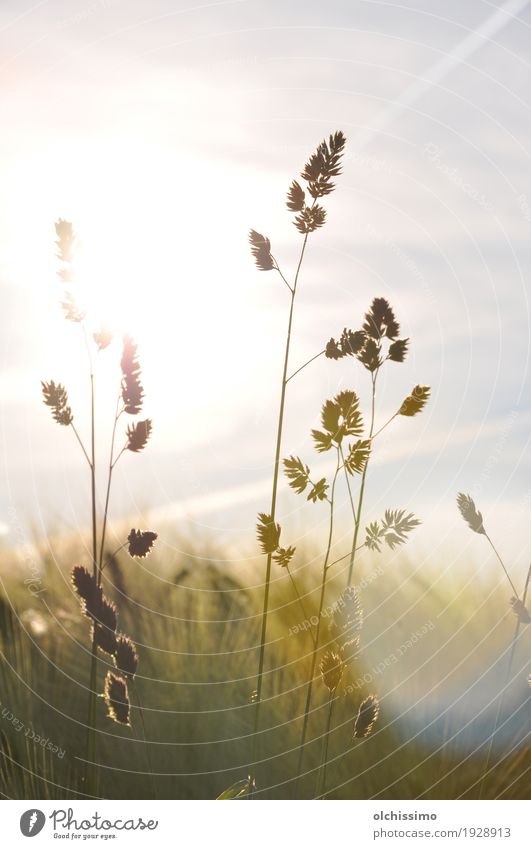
[(90, 594), (132, 390), (331, 667), (138, 435), (261, 251), (141, 542), (125, 656), (117, 699), (368, 713), (55, 396), (468, 511), (105, 638)]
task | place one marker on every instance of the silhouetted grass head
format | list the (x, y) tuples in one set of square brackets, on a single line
[(132, 389), (331, 668), (368, 713), (117, 699), (323, 164), (141, 542), (468, 511), (346, 623), (89, 592), (125, 656), (55, 396)]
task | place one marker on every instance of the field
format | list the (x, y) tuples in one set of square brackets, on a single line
[(436, 654)]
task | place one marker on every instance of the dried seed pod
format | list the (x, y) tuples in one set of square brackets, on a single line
[(117, 699)]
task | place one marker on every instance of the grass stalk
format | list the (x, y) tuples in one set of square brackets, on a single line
[(501, 700), (144, 738), (301, 603), (357, 512), (280, 423), (112, 464), (495, 550), (321, 784), (91, 723), (318, 627)]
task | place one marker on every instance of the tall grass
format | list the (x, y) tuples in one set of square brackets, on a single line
[(193, 685), (323, 165), (98, 609), (377, 342), (374, 344), (474, 520)]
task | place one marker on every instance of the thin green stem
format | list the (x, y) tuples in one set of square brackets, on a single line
[(114, 553), (307, 363), (515, 591), (277, 267), (306, 617), (501, 700), (117, 415), (321, 786), (144, 737), (357, 524), (344, 556), (91, 725), (347, 478), (72, 425), (280, 423), (383, 427), (318, 627)]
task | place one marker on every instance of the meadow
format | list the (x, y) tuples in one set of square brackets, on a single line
[(437, 665)]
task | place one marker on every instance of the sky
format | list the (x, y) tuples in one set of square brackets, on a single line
[(164, 131)]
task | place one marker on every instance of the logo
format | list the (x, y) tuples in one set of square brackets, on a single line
[(32, 822)]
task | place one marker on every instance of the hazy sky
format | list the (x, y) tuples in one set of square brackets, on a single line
[(164, 130)]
